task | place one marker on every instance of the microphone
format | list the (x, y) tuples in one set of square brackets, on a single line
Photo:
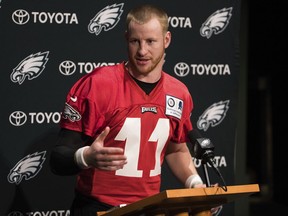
[(203, 149)]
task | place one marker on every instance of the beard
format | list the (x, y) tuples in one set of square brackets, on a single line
[(146, 69)]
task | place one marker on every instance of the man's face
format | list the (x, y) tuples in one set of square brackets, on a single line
[(146, 47)]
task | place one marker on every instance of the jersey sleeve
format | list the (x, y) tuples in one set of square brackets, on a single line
[(182, 125), (80, 112)]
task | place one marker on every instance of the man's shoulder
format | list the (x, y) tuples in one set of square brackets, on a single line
[(171, 80), (106, 72), (102, 76), (119, 67)]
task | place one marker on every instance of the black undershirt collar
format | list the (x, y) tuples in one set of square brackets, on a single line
[(146, 87)]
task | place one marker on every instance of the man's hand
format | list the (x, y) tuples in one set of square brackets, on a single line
[(104, 158)]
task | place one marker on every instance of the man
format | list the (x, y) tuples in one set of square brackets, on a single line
[(120, 122)]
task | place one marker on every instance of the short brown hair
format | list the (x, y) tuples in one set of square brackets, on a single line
[(146, 12)]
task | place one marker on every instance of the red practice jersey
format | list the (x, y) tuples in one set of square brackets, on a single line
[(141, 124)]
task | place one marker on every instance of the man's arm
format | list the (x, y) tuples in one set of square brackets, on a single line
[(62, 160), (180, 162), (75, 151)]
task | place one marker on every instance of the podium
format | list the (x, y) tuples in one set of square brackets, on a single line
[(184, 202)]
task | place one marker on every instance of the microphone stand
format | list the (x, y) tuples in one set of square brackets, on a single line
[(207, 157), (206, 175)]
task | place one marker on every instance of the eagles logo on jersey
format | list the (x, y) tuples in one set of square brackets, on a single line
[(70, 113)]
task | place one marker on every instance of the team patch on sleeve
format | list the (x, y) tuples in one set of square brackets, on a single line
[(174, 106), (70, 113)]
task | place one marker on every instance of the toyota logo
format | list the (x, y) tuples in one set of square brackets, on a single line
[(15, 213), (67, 68), (18, 118), (20, 17), (181, 69)]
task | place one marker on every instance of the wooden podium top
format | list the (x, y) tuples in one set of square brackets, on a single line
[(194, 198)]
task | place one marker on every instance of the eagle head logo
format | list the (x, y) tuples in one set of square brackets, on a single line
[(70, 113), (106, 19), (27, 168), (30, 68), (213, 115), (216, 23)]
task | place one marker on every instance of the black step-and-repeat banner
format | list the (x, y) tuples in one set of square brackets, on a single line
[(47, 45)]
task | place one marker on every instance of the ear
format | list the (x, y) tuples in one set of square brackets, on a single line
[(167, 39)]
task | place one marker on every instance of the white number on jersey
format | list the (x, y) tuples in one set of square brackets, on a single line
[(131, 132)]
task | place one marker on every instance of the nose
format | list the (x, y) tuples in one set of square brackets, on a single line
[(142, 49)]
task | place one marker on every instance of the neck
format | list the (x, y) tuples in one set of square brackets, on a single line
[(151, 77)]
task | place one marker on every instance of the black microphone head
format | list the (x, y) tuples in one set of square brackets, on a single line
[(200, 144)]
